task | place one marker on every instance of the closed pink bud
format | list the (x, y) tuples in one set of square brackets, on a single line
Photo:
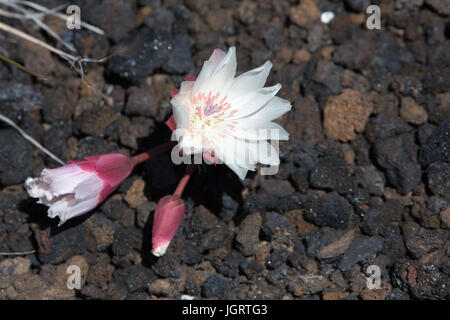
[(79, 186), (167, 219)]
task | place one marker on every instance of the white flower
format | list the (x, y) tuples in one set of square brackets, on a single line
[(228, 117)]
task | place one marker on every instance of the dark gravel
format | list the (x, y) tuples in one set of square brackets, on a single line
[(364, 178)]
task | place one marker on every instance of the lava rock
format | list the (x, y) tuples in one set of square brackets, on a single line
[(308, 284), (378, 220), (330, 210), (180, 58), (273, 222), (438, 175), (138, 278), (336, 248), (359, 250), (328, 74), (355, 54), (95, 121), (278, 188), (423, 281), (441, 6), (55, 138), (110, 14), (305, 13), (215, 238), (412, 112), (321, 238), (229, 266), (15, 157), (346, 115), (191, 255), (332, 173), (304, 121), (303, 156), (114, 208), (168, 266), (397, 294), (141, 103), (251, 269), (143, 212), (14, 220), (247, 236), (95, 145), (272, 37), (101, 230), (203, 220), (230, 208), (385, 126), (216, 286), (437, 147), (370, 179), (131, 131), (277, 258), (18, 99), (266, 202), (397, 155), (143, 51), (65, 244), (15, 266), (424, 241), (123, 242)]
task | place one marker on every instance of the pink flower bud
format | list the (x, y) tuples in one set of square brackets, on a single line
[(79, 186), (167, 219)]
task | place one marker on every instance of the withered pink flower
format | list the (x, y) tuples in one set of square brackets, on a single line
[(167, 219), (79, 186)]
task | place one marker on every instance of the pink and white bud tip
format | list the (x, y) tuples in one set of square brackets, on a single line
[(167, 219)]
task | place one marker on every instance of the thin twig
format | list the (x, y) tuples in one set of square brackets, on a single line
[(21, 67), (25, 36), (30, 139), (60, 15), (12, 14), (17, 253), (70, 58), (39, 23)]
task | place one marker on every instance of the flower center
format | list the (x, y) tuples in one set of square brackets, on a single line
[(208, 117)]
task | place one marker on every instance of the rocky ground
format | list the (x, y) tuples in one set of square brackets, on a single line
[(364, 179)]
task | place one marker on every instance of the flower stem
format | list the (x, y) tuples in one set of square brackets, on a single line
[(153, 152), (183, 182)]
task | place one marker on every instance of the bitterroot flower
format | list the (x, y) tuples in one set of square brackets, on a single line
[(168, 216), (79, 186), (167, 219), (229, 118)]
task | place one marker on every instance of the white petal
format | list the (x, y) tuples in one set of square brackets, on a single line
[(239, 155), (68, 207), (208, 68), (89, 188), (240, 171), (220, 79), (186, 87), (272, 110), (38, 188), (249, 103), (251, 80), (58, 206), (180, 112), (65, 179), (262, 131)]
